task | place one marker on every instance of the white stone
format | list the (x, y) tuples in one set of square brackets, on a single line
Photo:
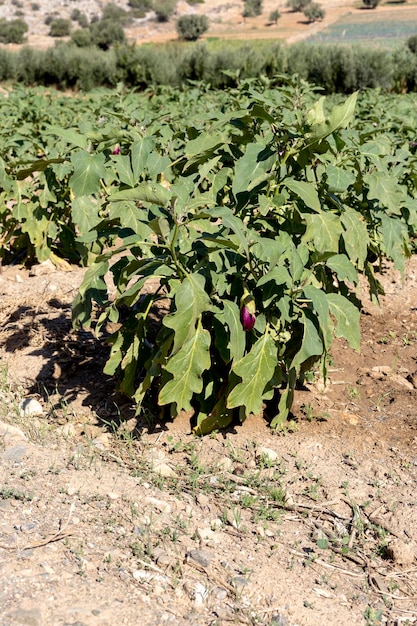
[(162, 506), (268, 454), (225, 463), (163, 469), (29, 407)]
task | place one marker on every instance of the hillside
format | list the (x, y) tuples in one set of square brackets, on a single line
[(225, 19)]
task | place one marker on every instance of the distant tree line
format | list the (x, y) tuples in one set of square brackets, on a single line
[(335, 68)]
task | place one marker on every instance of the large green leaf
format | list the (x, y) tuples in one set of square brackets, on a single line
[(143, 192), (230, 315), (394, 237), (140, 151), (253, 167), (386, 190), (311, 345), (339, 179), (340, 117), (187, 367), (191, 300), (355, 236), (85, 213), (323, 231), (89, 169), (347, 318), (256, 369), (320, 307)]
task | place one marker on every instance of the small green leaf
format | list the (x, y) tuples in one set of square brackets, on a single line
[(130, 216), (306, 191), (140, 151), (340, 117), (203, 144), (385, 188), (39, 165), (277, 275), (395, 237), (124, 169), (321, 309), (220, 417), (70, 135), (235, 224)]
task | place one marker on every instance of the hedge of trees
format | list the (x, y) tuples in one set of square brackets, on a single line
[(335, 68)]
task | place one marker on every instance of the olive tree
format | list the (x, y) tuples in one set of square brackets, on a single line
[(192, 27)]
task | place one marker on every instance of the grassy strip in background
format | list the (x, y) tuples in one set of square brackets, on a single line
[(376, 30)]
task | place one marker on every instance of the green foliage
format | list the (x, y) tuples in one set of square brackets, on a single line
[(145, 5), (336, 68), (259, 195), (60, 27), (164, 9), (107, 33), (252, 8), (82, 38), (13, 31), (192, 27), (115, 13), (274, 16), (104, 33), (371, 4), (297, 5), (81, 18), (314, 12), (412, 44)]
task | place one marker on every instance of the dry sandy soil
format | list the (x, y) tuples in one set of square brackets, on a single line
[(108, 519)]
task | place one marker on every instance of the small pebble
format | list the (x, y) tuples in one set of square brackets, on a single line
[(202, 557), (14, 453)]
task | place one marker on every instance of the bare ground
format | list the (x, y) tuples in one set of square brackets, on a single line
[(105, 519)]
